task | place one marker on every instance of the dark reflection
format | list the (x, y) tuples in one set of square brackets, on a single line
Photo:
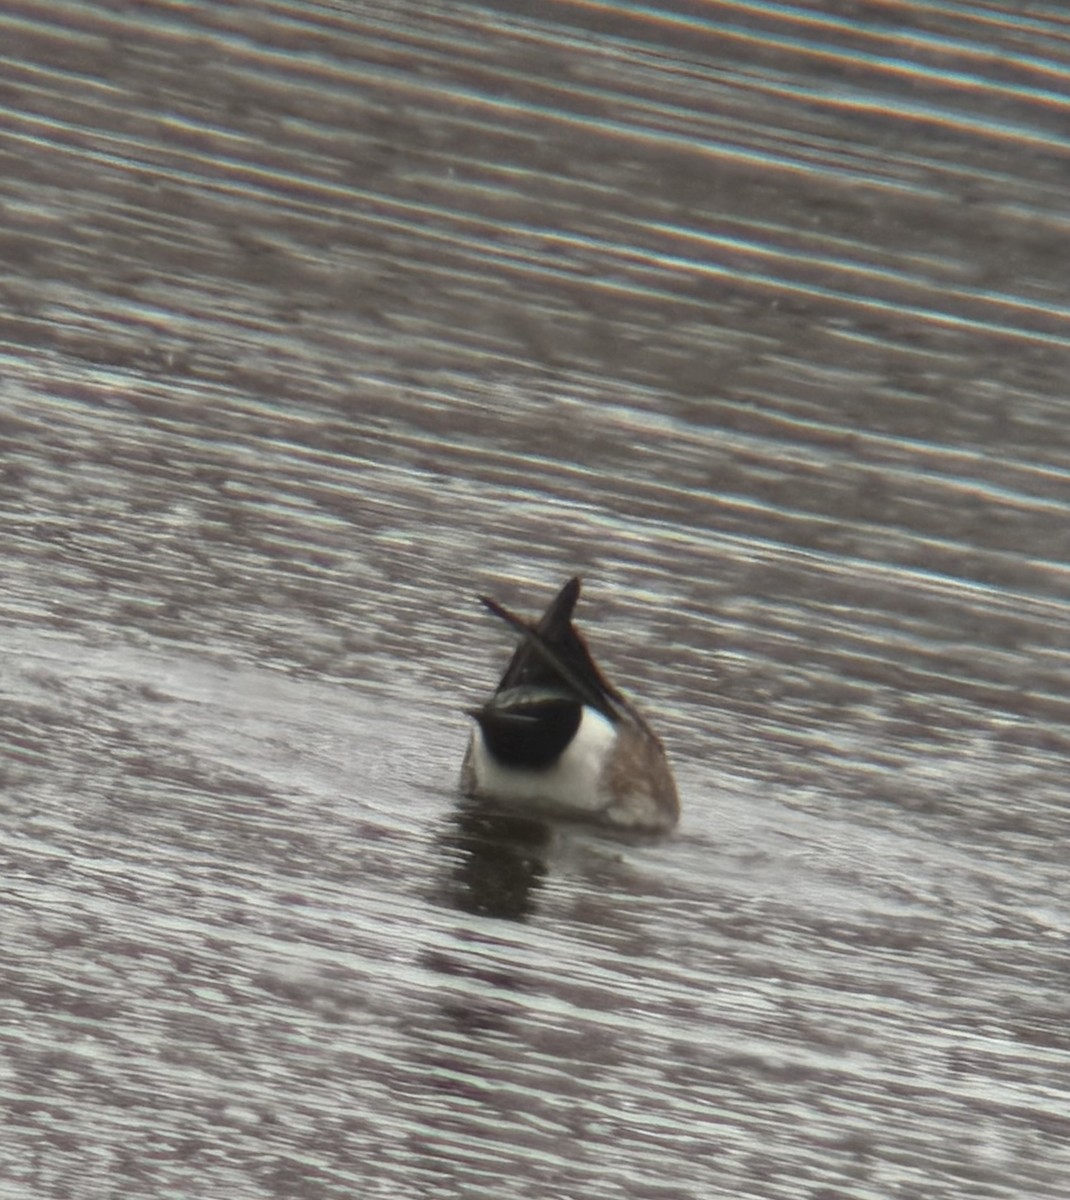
[(498, 861), (495, 1035)]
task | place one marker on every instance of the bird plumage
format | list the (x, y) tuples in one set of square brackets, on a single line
[(557, 738)]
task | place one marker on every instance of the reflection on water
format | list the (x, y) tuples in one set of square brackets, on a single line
[(498, 861)]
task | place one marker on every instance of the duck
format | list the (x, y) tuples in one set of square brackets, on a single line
[(557, 739)]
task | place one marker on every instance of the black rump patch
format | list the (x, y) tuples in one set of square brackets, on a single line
[(530, 735)]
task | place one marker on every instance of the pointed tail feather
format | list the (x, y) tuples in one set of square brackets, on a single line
[(549, 655)]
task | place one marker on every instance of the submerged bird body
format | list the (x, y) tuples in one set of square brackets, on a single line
[(556, 738)]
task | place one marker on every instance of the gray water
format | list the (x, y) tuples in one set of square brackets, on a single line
[(318, 320)]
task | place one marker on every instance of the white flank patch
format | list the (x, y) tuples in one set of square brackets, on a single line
[(570, 785)]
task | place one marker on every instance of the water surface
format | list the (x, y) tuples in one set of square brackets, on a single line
[(319, 320)]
